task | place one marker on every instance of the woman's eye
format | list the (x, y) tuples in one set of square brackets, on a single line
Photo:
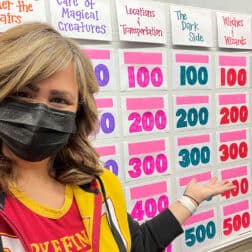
[(59, 100), (22, 94)]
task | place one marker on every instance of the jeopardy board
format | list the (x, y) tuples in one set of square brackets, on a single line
[(174, 103)]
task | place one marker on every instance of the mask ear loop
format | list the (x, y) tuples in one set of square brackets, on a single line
[(81, 100), (81, 104)]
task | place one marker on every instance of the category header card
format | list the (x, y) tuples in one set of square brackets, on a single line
[(191, 26), (141, 21), (90, 19), (16, 12), (234, 30)]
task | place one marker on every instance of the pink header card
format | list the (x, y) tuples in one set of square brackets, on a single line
[(146, 147), (144, 103), (200, 177), (95, 54), (235, 135), (225, 60), (192, 58), (236, 207), (198, 218), (147, 190), (235, 172), (145, 58), (188, 100), (191, 140)]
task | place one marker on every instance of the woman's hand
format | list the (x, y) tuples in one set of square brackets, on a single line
[(198, 192), (201, 192)]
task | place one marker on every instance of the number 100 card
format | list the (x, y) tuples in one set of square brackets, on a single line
[(191, 70), (143, 69), (232, 71)]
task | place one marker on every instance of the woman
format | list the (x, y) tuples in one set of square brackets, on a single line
[(54, 194)]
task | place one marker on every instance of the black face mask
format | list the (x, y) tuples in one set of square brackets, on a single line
[(33, 131)]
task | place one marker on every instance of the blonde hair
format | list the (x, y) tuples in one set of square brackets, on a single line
[(33, 52)]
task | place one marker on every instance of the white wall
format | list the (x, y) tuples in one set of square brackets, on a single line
[(242, 6)]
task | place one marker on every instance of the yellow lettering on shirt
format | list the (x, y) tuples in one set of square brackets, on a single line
[(35, 247), (66, 243), (56, 246), (82, 237), (76, 242), (44, 246)]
